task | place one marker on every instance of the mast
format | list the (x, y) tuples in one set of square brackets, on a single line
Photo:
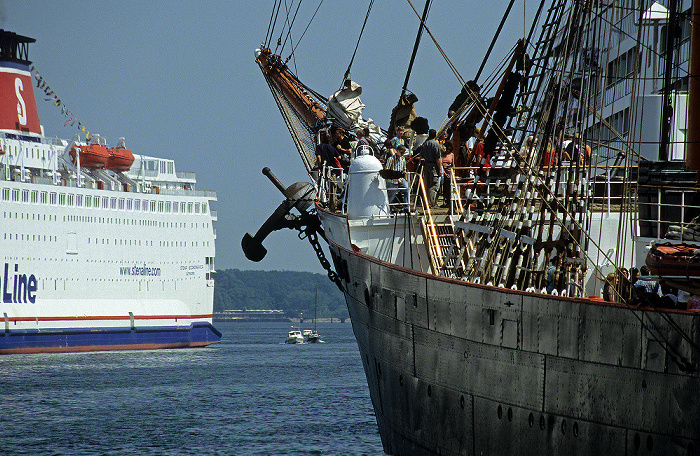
[(692, 152)]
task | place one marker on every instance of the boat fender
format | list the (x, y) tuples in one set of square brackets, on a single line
[(564, 293), (555, 292), (477, 280), (489, 283), (531, 290), (514, 287), (544, 290), (501, 285)]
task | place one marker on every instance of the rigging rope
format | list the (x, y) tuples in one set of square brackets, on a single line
[(493, 41), (304, 33), (426, 9), (268, 35), (347, 72)]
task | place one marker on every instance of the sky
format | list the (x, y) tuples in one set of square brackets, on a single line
[(178, 80)]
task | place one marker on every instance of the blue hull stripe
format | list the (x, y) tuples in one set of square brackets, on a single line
[(86, 339)]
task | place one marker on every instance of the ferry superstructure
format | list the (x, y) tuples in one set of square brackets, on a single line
[(93, 258)]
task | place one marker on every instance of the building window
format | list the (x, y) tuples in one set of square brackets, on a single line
[(44, 197)]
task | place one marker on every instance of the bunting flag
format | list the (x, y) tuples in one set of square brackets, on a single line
[(51, 96)]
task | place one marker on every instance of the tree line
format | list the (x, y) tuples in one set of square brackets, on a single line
[(292, 292)]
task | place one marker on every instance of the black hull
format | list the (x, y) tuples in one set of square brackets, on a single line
[(478, 370)]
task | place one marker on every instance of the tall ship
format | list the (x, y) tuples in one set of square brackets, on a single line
[(102, 249), (550, 304)]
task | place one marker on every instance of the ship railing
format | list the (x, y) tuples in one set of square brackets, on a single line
[(671, 213), (187, 192), (190, 175), (331, 186), (430, 232)]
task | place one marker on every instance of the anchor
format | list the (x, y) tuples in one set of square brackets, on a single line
[(299, 196)]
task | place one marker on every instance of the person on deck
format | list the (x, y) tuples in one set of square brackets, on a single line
[(432, 166), (447, 157), (326, 154), (397, 162), (398, 140), (342, 144), (551, 157), (648, 291), (361, 141)]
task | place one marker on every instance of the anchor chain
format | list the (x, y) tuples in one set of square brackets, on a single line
[(311, 234)]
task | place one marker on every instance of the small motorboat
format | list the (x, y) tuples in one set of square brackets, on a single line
[(294, 337), (312, 337)]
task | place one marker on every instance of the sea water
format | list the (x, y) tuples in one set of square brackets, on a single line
[(250, 394)]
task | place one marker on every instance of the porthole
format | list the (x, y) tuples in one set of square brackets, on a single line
[(400, 380), (500, 412), (563, 426), (430, 391), (650, 443), (510, 414), (461, 402), (575, 430), (542, 422), (531, 420)]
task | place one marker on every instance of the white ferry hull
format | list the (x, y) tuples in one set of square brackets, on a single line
[(92, 259)]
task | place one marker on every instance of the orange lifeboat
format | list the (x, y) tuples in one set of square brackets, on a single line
[(674, 260), (91, 156), (120, 159)]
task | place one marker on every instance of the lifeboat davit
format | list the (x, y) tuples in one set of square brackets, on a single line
[(120, 159), (674, 260), (91, 156)]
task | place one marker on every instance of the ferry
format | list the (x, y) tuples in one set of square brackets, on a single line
[(102, 249)]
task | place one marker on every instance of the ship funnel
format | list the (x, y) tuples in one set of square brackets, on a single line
[(18, 112)]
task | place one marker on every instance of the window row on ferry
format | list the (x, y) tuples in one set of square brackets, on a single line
[(105, 202)]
